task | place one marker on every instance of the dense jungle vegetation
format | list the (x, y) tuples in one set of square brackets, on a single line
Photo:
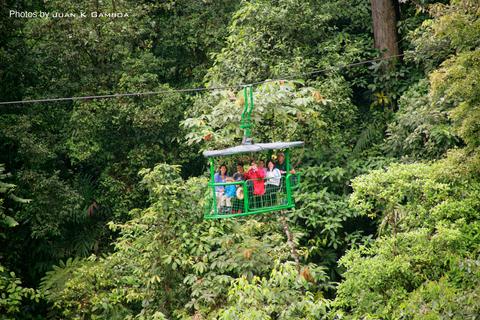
[(101, 200)]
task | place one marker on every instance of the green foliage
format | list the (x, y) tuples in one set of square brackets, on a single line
[(410, 230), (424, 195), (12, 294), (328, 225), (283, 295), (6, 193), (437, 299), (453, 29), (15, 74), (261, 45), (127, 135), (32, 139), (451, 39), (166, 259), (92, 49), (324, 217), (379, 278), (420, 130), (454, 85), (283, 111), (52, 146), (390, 81), (187, 35), (370, 136), (50, 193), (430, 212), (11, 291)]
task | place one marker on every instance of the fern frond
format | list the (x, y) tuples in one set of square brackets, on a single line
[(371, 133)]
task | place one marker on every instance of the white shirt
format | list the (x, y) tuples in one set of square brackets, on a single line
[(273, 177)]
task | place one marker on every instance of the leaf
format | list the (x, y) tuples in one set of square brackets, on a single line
[(9, 221), (18, 199)]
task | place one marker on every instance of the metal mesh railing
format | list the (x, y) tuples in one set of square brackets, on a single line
[(239, 198)]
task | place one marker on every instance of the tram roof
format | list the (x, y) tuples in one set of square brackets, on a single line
[(254, 147)]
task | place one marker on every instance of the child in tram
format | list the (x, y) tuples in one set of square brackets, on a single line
[(230, 192)]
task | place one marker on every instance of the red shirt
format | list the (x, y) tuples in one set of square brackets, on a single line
[(258, 182)]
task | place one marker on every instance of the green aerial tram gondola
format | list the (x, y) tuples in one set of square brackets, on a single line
[(250, 193)]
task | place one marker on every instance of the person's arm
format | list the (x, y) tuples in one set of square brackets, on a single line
[(277, 174)]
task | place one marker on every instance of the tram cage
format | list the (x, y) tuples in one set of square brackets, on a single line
[(245, 202)]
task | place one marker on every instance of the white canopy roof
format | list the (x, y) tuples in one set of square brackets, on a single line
[(254, 147)]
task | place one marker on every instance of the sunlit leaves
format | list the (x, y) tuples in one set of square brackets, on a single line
[(283, 295), (455, 85), (284, 111), (430, 212), (169, 256), (12, 293)]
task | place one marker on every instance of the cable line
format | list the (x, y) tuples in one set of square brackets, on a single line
[(200, 89)]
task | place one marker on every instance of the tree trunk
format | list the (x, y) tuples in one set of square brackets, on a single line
[(384, 18)]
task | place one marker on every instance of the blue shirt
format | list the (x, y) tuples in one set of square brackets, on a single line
[(217, 179), (230, 191)]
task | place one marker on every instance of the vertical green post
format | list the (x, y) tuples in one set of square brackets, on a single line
[(245, 108), (245, 197), (245, 123), (287, 176), (245, 119), (251, 105), (212, 182)]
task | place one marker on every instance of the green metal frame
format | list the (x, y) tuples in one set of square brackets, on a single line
[(211, 211), (247, 208)]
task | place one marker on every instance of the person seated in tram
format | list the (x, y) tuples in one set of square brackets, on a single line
[(220, 177), (238, 203), (272, 182), (281, 164), (239, 175), (257, 177), (261, 166)]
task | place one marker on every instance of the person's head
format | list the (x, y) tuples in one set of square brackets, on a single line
[(270, 165), (240, 167), (261, 163), (253, 164), (281, 157), (223, 169)]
